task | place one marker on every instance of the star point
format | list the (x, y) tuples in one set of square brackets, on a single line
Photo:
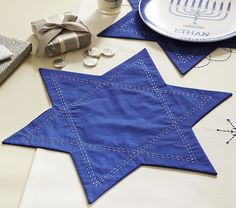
[(183, 55)]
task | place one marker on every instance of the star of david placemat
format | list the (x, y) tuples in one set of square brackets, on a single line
[(114, 123)]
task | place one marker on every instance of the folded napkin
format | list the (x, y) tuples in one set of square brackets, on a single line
[(184, 55), (114, 123)]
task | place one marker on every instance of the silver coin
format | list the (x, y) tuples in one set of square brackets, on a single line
[(59, 63), (90, 61), (95, 52), (108, 51)]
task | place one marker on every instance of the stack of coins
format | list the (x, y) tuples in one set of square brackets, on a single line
[(93, 55)]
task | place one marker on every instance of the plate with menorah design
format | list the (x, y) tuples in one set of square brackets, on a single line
[(191, 20)]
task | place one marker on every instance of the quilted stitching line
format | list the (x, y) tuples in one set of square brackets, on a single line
[(75, 132), (129, 86), (168, 157), (168, 111), (125, 24), (131, 151), (112, 148), (186, 59), (106, 82)]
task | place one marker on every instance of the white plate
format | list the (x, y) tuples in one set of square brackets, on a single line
[(191, 20)]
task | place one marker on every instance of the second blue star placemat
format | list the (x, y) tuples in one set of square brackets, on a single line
[(184, 55), (112, 124)]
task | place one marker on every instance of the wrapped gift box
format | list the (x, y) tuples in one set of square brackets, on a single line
[(66, 40), (20, 50)]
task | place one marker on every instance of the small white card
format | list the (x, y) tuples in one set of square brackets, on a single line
[(5, 53)]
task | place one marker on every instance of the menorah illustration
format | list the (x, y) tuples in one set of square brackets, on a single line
[(232, 131), (200, 9)]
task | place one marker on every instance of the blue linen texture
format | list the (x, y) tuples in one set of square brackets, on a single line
[(112, 124), (184, 55)]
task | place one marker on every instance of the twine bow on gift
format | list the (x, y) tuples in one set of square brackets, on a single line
[(51, 30)]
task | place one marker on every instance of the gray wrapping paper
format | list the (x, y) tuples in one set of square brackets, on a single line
[(20, 50), (66, 40)]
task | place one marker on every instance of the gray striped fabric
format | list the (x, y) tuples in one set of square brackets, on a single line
[(66, 41)]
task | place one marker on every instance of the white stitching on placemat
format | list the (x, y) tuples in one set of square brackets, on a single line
[(129, 86), (182, 59), (185, 59), (75, 132), (169, 113), (174, 124), (110, 148), (147, 145)]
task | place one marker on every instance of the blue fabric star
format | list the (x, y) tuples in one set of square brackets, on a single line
[(184, 55), (112, 124)]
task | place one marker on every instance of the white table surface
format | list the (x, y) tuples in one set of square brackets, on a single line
[(23, 97)]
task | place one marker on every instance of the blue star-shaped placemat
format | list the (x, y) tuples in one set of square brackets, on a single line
[(184, 55), (112, 124)]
